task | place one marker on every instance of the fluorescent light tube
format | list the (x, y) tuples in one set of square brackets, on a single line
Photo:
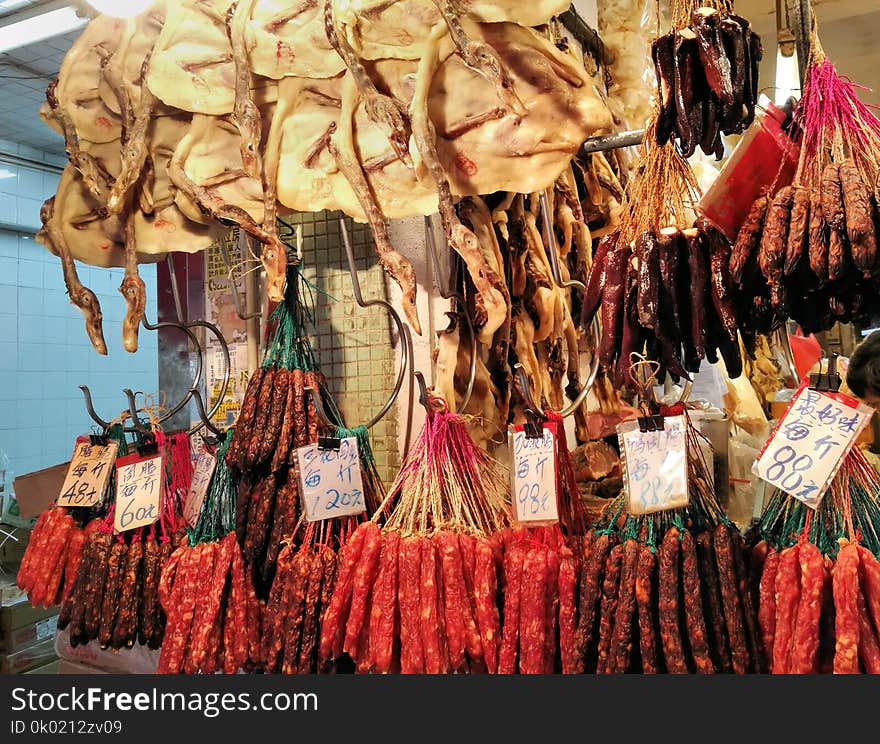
[(39, 28)]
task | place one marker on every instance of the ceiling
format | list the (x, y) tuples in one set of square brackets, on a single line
[(848, 30)]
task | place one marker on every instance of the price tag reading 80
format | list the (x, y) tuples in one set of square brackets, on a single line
[(533, 476), (656, 466), (331, 480), (808, 445)]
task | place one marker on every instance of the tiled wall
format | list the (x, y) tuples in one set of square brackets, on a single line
[(44, 351)]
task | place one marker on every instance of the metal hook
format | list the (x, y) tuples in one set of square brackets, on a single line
[(448, 294), (535, 417), (424, 398), (405, 356), (233, 285), (87, 394), (550, 243), (319, 408), (205, 418), (133, 412)]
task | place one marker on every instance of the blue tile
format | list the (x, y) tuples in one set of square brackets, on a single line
[(8, 356), (8, 386), (26, 410), (9, 178), (30, 274), (30, 300), (30, 388), (53, 330), (28, 248), (53, 276), (30, 183), (30, 329), (30, 355), (31, 152), (50, 184), (28, 212), (29, 441), (9, 270), (8, 299), (55, 385), (7, 414), (7, 209), (8, 327), (8, 243), (56, 303)]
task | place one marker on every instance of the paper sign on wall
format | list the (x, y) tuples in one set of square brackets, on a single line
[(656, 466), (139, 482), (808, 446), (198, 487), (533, 476), (88, 474), (331, 481)]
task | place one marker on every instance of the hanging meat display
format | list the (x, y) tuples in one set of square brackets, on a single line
[(707, 76), (809, 250), (817, 571), (198, 114)]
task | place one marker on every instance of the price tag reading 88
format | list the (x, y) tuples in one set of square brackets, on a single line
[(331, 480), (805, 451), (656, 466), (534, 475)]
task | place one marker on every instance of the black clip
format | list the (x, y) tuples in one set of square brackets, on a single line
[(329, 443), (650, 423), (828, 381), (533, 427), (98, 440)]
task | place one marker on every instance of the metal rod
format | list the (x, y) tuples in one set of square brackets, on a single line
[(233, 285), (175, 292), (586, 36), (133, 412), (612, 141), (395, 317), (448, 294), (205, 418)]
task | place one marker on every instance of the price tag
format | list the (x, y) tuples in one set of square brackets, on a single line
[(655, 465), (198, 487), (139, 482), (331, 480), (533, 476), (46, 628), (88, 474), (810, 442)]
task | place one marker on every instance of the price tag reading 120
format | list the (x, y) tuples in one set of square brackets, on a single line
[(534, 475), (88, 474), (810, 442), (656, 466), (331, 480), (139, 484)]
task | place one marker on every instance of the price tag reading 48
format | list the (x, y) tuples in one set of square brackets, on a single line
[(534, 475), (656, 466), (139, 484), (331, 480), (88, 474), (808, 446)]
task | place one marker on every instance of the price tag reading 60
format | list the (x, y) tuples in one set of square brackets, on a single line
[(139, 484), (331, 481), (533, 476)]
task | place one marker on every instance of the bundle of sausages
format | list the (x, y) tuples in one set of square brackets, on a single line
[(707, 76), (434, 565), (809, 250), (278, 415), (666, 294), (51, 559), (819, 578)]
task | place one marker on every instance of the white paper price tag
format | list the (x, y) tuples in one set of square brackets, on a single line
[(139, 484), (88, 474), (810, 442), (533, 475), (198, 487), (656, 466), (331, 481)]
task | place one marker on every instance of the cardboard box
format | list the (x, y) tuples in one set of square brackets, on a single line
[(27, 658), (22, 625), (35, 491)]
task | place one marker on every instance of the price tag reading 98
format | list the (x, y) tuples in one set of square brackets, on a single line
[(139, 483), (331, 481), (810, 442), (534, 475), (656, 466), (88, 474)]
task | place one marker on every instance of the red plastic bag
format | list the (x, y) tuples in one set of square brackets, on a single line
[(752, 167)]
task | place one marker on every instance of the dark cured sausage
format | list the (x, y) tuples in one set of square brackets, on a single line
[(612, 303), (622, 641), (646, 600), (663, 55), (693, 606), (668, 610), (712, 604), (242, 431), (749, 238), (648, 298), (608, 607), (698, 288), (796, 246), (591, 582)]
